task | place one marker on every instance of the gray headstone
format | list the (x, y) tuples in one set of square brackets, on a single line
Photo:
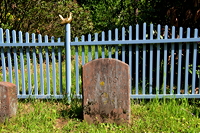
[(8, 100), (106, 91)]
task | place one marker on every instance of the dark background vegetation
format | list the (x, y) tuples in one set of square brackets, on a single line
[(89, 16)]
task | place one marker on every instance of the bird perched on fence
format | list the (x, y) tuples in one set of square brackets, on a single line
[(66, 20)]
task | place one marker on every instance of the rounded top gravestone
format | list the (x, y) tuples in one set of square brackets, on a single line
[(106, 91)]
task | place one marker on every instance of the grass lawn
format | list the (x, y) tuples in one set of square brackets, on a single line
[(165, 115)]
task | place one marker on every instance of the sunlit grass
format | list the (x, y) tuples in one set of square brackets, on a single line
[(164, 115)]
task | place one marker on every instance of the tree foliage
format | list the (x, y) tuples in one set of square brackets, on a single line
[(107, 14), (179, 13), (41, 16)]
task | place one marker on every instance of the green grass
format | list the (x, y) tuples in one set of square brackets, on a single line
[(166, 115)]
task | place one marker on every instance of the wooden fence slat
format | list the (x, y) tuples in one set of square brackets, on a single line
[(194, 64), (137, 69), (28, 65), (109, 47), (151, 61), (187, 62), (60, 67), (130, 55), (41, 66), (77, 68), (116, 46), (123, 46), (165, 62), (22, 64), (35, 67), (172, 62), (3, 64), (144, 60), (96, 47), (179, 61), (83, 50), (102, 47), (15, 61), (47, 66), (194, 67), (89, 49), (158, 61), (53, 67), (1, 36), (2, 55), (9, 56), (137, 63)]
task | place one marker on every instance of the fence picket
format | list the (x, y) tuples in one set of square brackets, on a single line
[(151, 61), (116, 46), (1, 36), (137, 62), (83, 50), (47, 66), (158, 61), (28, 65), (35, 67), (194, 67), (130, 54), (187, 62), (179, 61), (144, 60), (172, 63), (102, 47), (22, 64), (137, 69), (15, 61), (165, 62), (53, 67), (2, 55), (123, 46), (60, 67), (194, 62), (41, 66), (96, 47), (77, 68), (9, 56), (89, 49), (109, 47)]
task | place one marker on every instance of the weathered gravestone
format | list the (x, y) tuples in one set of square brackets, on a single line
[(8, 100), (106, 91)]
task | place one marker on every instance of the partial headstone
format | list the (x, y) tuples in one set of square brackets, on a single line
[(106, 91), (8, 100)]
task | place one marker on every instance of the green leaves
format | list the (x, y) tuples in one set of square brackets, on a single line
[(41, 17)]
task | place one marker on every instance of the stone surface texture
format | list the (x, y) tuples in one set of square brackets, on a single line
[(106, 91), (8, 100)]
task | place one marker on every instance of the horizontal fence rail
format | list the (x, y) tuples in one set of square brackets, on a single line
[(35, 69)]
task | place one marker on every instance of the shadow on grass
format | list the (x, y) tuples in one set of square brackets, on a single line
[(74, 109)]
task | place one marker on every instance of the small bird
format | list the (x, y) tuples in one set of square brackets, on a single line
[(66, 20)]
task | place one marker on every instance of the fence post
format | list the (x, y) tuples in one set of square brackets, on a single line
[(67, 21), (68, 59)]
